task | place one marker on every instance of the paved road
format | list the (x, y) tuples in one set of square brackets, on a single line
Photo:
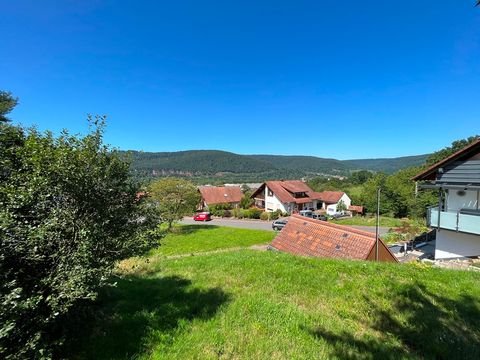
[(259, 225)]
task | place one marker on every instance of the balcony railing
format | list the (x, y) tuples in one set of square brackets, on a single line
[(455, 220)]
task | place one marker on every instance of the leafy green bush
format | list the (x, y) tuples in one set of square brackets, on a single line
[(265, 216), (227, 213), (68, 212), (219, 209), (252, 213), (238, 213)]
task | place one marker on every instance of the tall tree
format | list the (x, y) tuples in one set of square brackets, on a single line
[(7, 103), (174, 198), (68, 213)]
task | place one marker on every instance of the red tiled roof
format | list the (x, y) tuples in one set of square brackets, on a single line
[(280, 192), (330, 197), (295, 186), (221, 194), (309, 237), (284, 190), (356, 208), (429, 174)]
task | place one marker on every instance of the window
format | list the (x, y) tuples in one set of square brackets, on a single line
[(270, 192)]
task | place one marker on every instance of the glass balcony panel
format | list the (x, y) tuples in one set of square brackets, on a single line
[(454, 221)]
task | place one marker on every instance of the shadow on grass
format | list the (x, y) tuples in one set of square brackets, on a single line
[(425, 325), (189, 229), (138, 310)]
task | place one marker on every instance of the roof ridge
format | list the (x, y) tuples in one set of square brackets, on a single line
[(335, 226)]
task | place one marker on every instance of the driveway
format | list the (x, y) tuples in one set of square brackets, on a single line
[(243, 224), (259, 224)]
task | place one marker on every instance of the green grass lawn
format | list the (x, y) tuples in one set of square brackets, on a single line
[(187, 239), (248, 304), (370, 221)]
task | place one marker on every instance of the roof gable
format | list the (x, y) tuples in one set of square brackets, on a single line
[(309, 237), (469, 152)]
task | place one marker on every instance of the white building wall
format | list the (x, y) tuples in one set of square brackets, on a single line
[(452, 244), (272, 203), (346, 200), (332, 208), (468, 200)]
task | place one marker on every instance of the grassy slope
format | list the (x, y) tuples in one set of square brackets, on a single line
[(250, 305), (369, 221), (189, 239)]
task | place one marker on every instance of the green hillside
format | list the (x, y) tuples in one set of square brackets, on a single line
[(214, 164), (304, 163), (387, 165)]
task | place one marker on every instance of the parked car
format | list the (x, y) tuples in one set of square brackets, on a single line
[(279, 224), (319, 217), (338, 215), (203, 216), (306, 213)]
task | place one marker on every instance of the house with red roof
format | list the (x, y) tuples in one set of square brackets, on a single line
[(308, 237), (332, 200), (456, 218), (292, 196), (214, 195)]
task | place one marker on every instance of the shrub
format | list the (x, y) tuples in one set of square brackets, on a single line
[(252, 213), (227, 213), (265, 216), (219, 209), (68, 212)]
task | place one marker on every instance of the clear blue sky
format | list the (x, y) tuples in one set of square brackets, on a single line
[(342, 79)]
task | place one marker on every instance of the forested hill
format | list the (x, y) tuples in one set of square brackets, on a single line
[(387, 165), (214, 163)]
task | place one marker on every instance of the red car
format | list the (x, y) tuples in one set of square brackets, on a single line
[(203, 216)]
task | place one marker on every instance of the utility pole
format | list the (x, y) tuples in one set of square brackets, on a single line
[(377, 224)]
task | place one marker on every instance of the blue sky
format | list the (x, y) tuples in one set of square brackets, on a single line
[(342, 79)]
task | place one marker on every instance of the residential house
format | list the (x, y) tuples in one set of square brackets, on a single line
[(291, 196), (308, 237), (456, 218), (332, 200), (214, 195), (288, 196)]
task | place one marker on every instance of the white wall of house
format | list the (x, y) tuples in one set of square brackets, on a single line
[(452, 244), (272, 203), (468, 200), (332, 208)]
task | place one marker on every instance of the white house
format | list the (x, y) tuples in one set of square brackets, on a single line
[(332, 201), (291, 196), (457, 215)]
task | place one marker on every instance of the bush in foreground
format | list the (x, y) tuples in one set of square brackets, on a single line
[(68, 212)]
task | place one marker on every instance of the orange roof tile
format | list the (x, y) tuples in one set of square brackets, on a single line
[(330, 197), (221, 194), (309, 237), (356, 208)]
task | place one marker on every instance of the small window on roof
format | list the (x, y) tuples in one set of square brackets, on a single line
[(338, 247)]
